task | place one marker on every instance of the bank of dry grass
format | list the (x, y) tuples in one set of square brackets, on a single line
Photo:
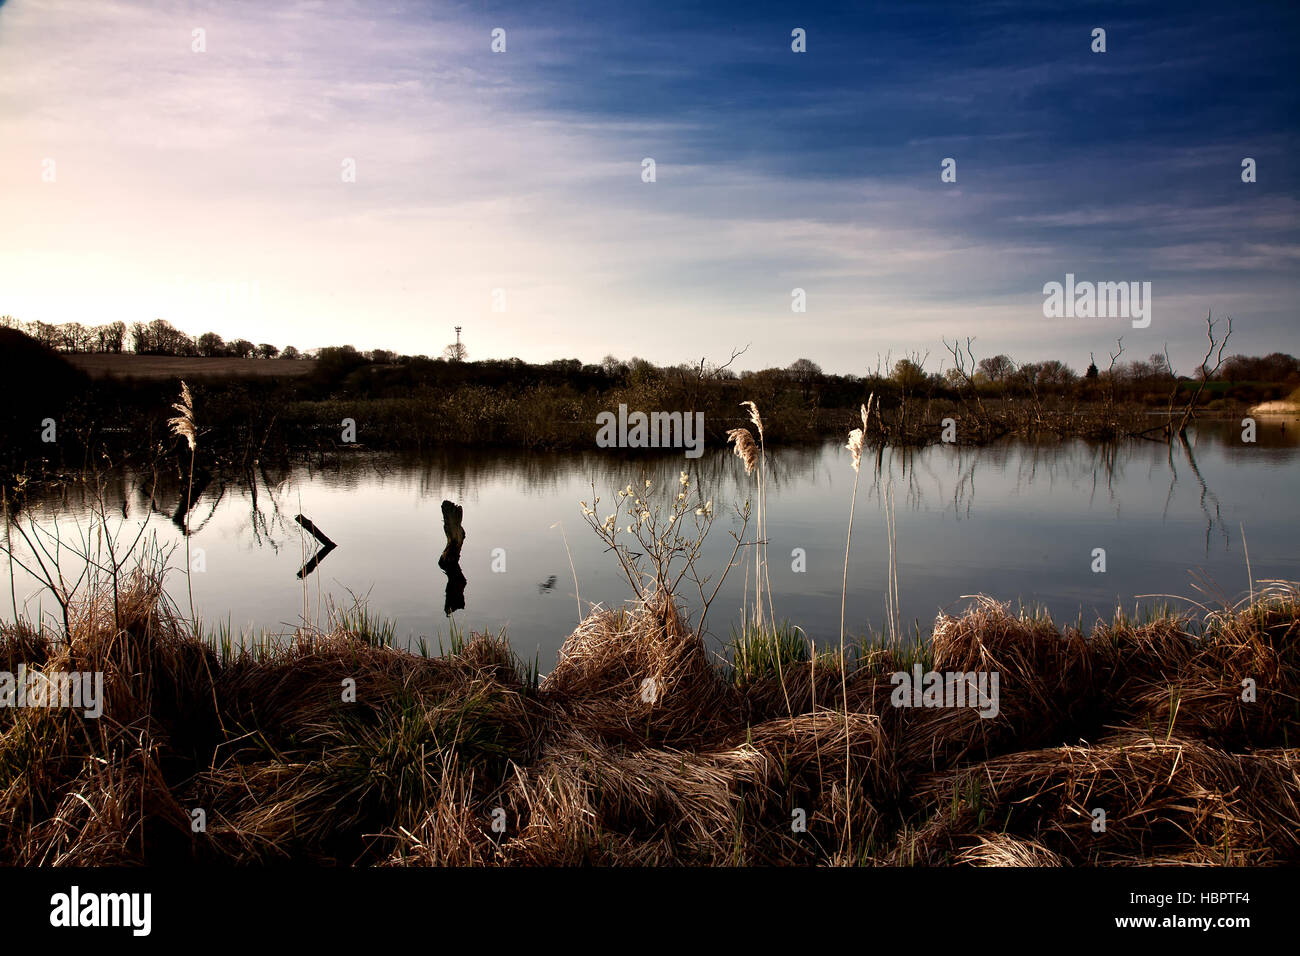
[(639, 748)]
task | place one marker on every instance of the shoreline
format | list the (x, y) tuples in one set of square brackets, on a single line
[(638, 748)]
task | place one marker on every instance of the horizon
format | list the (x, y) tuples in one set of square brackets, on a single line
[(884, 368), (178, 176)]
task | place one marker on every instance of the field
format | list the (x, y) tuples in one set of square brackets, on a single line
[(168, 366)]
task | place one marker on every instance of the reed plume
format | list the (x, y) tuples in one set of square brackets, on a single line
[(856, 438), (747, 450), (745, 447), (757, 420), (185, 426), (755, 417), (855, 446)]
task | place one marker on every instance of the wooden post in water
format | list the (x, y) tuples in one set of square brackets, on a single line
[(316, 532), (452, 515), (326, 545)]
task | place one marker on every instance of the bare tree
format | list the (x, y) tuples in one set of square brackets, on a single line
[(1110, 381), (964, 367), (1204, 372)]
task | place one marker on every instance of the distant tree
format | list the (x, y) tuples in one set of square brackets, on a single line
[(290, 353), (565, 367), (997, 368), (908, 374), (110, 337), (1092, 373), (1054, 373), (1275, 368), (73, 337), (160, 337), (954, 378), (335, 363), (1027, 376), (382, 356), (241, 348), (211, 345), (642, 372), (456, 352), (267, 351), (805, 373), (169, 340)]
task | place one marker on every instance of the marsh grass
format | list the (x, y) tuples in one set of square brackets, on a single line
[(330, 745), (757, 653), (1144, 717)]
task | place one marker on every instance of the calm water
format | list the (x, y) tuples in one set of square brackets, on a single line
[(1015, 521)]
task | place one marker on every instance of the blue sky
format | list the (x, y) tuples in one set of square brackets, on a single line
[(185, 179)]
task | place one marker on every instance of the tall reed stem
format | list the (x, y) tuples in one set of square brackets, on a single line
[(189, 566), (844, 676)]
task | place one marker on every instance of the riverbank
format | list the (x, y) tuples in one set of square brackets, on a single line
[(71, 413), (639, 747), (1288, 407)]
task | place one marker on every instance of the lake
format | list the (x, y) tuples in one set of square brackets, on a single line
[(1017, 521)]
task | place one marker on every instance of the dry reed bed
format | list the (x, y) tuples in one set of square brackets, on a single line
[(639, 748)]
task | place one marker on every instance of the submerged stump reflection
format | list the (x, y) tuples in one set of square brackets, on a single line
[(450, 559), (326, 545)]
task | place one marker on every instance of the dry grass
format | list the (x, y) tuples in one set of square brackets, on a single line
[(640, 749)]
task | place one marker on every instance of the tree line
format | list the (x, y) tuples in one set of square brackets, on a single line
[(158, 337), (996, 375)]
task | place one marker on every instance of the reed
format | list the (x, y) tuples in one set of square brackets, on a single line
[(184, 426), (330, 744), (585, 767)]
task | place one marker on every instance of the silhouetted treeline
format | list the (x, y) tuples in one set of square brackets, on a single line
[(418, 402), (158, 337), (72, 336)]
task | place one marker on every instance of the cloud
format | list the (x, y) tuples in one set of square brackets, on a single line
[(522, 171)]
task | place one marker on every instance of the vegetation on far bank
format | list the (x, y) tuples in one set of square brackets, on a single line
[(277, 408)]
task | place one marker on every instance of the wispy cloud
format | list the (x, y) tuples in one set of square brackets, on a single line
[(522, 171)]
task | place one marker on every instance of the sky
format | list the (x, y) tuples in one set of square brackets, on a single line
[(141, 178)]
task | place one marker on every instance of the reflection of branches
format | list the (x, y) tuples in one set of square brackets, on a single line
[(195, 529), (1110, 464), (259, 523), (964, 489), (1173, 480), (1206, 496)]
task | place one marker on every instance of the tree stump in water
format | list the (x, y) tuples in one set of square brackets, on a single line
[(326, 545), (450, 559)]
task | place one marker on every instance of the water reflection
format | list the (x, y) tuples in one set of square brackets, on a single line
[(1014, 520)]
